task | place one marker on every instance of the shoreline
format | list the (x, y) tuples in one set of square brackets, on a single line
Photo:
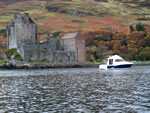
[(29, 65)]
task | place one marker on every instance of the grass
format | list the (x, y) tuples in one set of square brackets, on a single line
[(51, 14), (39, 61), (142, 62), (3, 62), (13, 53), (5, 19), (35, 11)]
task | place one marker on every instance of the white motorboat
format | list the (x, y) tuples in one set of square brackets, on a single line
[(115, 61)]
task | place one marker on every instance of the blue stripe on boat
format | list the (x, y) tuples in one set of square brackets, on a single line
[(121, 66)]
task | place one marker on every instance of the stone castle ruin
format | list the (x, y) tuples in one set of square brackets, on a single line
[(23, 35)]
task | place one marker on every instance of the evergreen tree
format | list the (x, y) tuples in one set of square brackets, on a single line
[(131, 28), (140, 27)]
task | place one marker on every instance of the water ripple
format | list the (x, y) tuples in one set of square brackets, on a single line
[(75, 90)]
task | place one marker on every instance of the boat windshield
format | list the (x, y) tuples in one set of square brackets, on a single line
[(119, 60), (104, 61)]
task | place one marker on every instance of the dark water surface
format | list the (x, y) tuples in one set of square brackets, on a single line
[(83, 90)]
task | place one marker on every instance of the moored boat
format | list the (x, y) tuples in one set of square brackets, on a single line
[(115, 61)]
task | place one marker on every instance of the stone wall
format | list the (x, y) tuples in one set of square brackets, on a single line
[(81, 50), (70, 45), (49, 50), (11, 33), (65, 56), (75, 42), (28, 50)]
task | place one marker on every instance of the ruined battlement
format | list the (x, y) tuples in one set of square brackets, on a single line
[(23, 19), (22, 28)]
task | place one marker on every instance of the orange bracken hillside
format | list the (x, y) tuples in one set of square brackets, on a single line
[(3, 44)]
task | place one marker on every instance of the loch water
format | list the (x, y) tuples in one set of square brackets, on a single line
[(78, 90)]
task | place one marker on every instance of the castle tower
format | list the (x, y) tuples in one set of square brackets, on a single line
[(21, 29), (75, 42)]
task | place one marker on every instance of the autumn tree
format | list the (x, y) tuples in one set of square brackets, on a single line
[(3, 32)]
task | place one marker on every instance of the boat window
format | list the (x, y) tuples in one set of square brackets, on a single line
[(110, 61), (118, 60)]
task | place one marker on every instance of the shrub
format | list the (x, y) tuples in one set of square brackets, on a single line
[(2, 62), (131, 28), (56, 34), (13, 53), (144, 56), (140, 27), (44, 50), (3, 32)]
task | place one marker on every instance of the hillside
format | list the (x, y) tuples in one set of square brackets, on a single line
[(56, 15), (104, 24)]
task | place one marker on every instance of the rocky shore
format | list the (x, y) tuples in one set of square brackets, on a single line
[(28, 65)]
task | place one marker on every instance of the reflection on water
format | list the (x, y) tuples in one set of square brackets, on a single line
[(75, 90)]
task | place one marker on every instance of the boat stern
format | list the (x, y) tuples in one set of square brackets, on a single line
[(102, 66)]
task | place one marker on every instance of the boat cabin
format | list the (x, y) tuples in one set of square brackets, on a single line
[(114, 59)]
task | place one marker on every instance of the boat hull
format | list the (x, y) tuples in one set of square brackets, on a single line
[(120, 66)]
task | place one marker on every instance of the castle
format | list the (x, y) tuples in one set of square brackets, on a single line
[(22, 34)]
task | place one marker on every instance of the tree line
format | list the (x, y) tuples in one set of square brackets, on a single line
[(134, 44)]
